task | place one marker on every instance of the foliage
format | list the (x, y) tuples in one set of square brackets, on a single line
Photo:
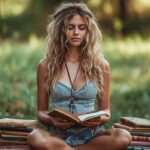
[(130, 77), (18, 79)]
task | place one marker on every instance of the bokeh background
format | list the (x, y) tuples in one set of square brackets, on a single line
[(125, 25)]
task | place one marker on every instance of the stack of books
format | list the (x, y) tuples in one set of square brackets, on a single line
[(14, 132), (139, 129)]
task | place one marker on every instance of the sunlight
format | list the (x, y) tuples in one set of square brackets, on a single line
[(18, 7), (94, 3), (33, 41)]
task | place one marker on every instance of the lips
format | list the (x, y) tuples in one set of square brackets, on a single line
[(75, 39)]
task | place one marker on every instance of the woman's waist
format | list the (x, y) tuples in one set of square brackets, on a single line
[(78, 107)]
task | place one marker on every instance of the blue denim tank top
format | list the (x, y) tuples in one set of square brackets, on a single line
[(84, 102)]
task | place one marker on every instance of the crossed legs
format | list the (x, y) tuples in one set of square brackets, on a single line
[(113, 139)]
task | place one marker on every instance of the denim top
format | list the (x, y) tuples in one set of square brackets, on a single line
[(84, 97), (84, 101)]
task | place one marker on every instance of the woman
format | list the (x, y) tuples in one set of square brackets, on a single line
[(73, 75)]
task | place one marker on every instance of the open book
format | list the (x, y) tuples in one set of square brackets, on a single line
[(58, 112)]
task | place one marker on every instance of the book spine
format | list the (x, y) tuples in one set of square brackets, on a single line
[(138, 148), (144, 130), (134, 148), (139, 130), (147, 134), (11, 128), (14, 138), (11, 142), (141, 138), (15, 147), (140, 143), (120, 126), (122, 120), (14, 133)]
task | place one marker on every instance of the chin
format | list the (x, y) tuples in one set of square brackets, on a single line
[(75, 44)]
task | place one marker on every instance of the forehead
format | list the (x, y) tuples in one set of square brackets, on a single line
[(76, 19)]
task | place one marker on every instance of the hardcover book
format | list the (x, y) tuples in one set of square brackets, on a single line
[(12, 142), (5, 135), (147, 134), (12, 128), (136, 122), (18, 133), (15, 147), (138, 148), (17, 122), (140, 138), (140, 143), (58, 112), (131, 128)]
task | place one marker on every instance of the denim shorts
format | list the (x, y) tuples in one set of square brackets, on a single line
[(75, 136)]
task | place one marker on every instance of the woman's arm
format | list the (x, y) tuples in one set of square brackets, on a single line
[(104, 104), (43, 100), (42, 95)]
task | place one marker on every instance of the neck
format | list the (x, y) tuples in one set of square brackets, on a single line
[(73, 55)]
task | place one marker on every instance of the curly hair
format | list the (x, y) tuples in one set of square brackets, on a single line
[(91, 62)]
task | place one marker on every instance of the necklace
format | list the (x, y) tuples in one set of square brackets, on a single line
[(72, 99)]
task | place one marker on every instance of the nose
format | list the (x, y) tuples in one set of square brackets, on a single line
[(76, 31)]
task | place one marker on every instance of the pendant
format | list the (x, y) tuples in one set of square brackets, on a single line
[(72, 105), (72, 99)]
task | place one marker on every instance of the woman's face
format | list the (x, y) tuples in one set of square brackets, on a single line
[(76, 30)]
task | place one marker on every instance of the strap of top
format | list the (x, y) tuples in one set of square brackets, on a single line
[(72, 83), (72, 105)]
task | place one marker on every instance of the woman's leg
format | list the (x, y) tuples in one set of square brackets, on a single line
[(42, 140), (113, 139)]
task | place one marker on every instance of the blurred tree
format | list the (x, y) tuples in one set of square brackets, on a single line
[(123, 13), (117, 17)]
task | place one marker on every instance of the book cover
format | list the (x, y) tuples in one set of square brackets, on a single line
[(12, 142), (136, 122), (140, 138), (140, 143), (17, 122), (138, 148), (15, 147), (147, 134), (13, 138), (14, 133), (131, 128), (58, 112), (3, 135), (12, 128)]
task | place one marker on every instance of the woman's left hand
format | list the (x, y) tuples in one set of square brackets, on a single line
[(91, 123)]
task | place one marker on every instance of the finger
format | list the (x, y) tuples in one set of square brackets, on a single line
[(62, 120)]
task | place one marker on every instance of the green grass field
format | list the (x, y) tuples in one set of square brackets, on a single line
[(129, 60)]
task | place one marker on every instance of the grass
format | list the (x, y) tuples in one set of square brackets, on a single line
[(130, 77)]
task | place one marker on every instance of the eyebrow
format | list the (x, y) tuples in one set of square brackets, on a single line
[(78, 25)]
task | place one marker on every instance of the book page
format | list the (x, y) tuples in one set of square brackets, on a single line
[(92, 115)]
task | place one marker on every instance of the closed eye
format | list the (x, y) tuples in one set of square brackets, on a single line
[(71, 27), (82, 27)]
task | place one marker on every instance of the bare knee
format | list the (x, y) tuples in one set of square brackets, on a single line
[(38, 139), (121, 138), (42, 140)]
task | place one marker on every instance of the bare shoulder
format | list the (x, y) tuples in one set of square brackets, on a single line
[(106, 66), (42, 65)]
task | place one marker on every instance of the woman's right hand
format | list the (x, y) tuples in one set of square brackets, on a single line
[(61, 123)]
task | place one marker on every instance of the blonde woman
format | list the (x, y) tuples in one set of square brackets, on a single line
[(73, 75)]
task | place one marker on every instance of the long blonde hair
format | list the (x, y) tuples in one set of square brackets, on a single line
[(91, 62)]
